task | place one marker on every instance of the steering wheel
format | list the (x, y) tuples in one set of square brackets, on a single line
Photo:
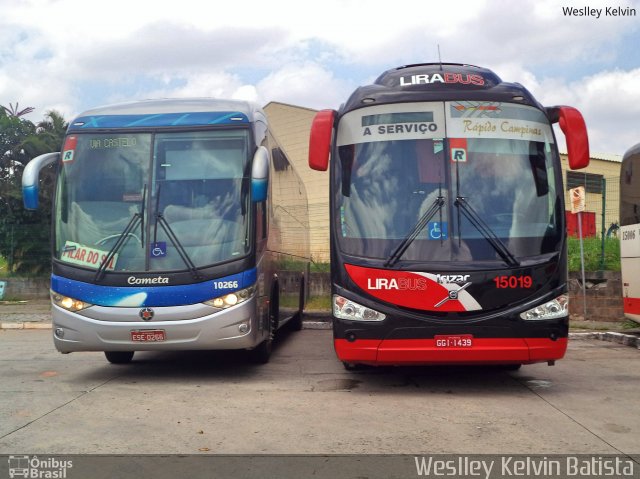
[(117, 235)]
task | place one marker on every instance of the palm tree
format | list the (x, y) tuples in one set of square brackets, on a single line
[(14, 111), (52, 129)]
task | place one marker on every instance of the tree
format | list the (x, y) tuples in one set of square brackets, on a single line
[(25, 235), (14, 111)]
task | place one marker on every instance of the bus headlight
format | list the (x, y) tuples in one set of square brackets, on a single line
[(344, 308), (68, 303), (231, 299), (554, 309)]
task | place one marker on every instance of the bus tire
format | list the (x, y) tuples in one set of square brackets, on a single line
[(262, 353), (119, 357), (354, 366), (296, 321), (512, 367)]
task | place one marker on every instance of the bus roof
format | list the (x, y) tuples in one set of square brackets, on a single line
[(168, 112), (634, 150), (438, 82)]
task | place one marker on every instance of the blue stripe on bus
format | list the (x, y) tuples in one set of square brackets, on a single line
[(152, 296), (163, 119)]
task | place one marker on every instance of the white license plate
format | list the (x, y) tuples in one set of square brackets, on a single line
[(148, 336), (460, 341)]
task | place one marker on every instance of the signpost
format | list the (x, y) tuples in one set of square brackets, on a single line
[(578, 201)]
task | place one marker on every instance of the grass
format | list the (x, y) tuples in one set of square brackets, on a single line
[(319, 302), (592, 254), (4, 268)]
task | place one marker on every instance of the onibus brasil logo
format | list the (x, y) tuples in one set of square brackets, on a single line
[(36, 468)]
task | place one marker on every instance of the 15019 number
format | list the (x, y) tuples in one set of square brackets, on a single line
[(512, 282)]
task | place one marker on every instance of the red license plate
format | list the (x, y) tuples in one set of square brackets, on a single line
[(148, 336), (461, 341)]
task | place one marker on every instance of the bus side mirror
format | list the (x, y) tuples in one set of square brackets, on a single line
[(260, 175), (320, 139), (30, 177), (575, 131)]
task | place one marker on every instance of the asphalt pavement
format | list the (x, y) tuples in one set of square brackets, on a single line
[(304, 402)]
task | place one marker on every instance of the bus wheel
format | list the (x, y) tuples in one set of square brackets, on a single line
[(354, 366), (511, 367), (119, 357), (262, 353), (296, 322)]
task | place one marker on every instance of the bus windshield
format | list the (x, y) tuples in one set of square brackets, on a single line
[(489, 164), (164, 195)]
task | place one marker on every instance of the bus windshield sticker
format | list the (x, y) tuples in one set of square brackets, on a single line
[(418, 121), (75, 253), (437, 230), (69, 149), (458, 148), (508, 122), (158, 249)]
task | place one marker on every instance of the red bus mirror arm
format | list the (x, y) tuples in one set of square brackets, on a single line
[(320, 139), (575, 131)]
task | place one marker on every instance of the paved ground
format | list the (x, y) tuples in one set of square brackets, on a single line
[(303, 401)]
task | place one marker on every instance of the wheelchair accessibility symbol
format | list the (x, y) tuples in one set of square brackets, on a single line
[(437, 230), (158, 250)]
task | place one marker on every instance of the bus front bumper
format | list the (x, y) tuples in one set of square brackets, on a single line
[(378, 352), (206, 328)]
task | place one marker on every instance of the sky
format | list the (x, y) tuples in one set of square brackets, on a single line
[(73, 55)]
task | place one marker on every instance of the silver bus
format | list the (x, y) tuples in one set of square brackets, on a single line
[(172, 222)]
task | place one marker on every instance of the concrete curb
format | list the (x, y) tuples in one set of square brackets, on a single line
[(610, 336)]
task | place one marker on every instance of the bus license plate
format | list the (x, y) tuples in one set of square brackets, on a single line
[(462, 341), (148, 336)]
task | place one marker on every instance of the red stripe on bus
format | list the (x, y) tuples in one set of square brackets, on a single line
[(424, 351)]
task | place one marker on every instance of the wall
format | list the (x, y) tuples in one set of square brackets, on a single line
[(26, 288), (603, 293)]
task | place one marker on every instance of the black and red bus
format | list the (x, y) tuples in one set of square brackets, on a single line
[(448, 242)]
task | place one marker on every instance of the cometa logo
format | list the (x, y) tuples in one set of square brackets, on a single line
[(157, 280), (459, 78)]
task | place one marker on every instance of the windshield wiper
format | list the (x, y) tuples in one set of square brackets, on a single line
[(123, 237), (159, 218), (413, 234), (486, 231)]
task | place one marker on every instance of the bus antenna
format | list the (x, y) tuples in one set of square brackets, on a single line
[(439, 57)]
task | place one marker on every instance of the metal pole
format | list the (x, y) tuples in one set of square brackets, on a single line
[(584, 282), (604, 201), (11, 251)]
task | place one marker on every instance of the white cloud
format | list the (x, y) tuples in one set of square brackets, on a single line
[(73, 55), (308, 84)]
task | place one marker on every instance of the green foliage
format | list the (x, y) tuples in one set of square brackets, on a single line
[(25, 235), (592, 254), (320, 267)]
